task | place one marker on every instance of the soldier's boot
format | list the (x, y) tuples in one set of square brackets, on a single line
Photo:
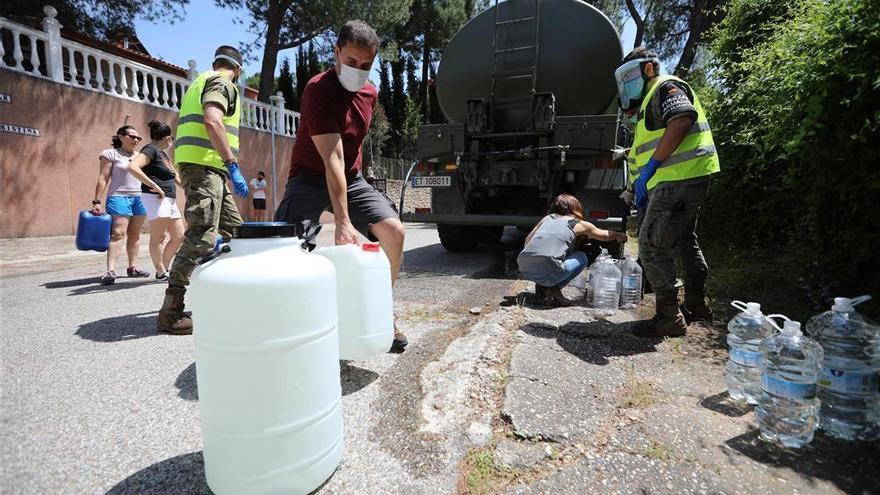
[(668, 322), (695, 307), (172, 319)]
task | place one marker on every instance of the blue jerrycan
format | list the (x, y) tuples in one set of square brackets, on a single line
[(93, 231)]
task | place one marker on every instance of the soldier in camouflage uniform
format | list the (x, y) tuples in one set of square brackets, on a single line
[(205, 152)]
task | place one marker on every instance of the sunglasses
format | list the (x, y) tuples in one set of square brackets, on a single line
[(134, 138)]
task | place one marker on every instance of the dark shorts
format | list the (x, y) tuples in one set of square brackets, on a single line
[(259, 203), (306, 197)]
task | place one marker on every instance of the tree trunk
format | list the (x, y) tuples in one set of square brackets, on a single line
[(274, 16), (696, 26), (640, 23)]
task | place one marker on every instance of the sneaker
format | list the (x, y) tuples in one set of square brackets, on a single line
[(109, 278), (136, 272), (163, 277), (398, 345)]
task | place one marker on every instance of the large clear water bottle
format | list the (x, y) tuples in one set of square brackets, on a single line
[(630, 282), (579, 284), (849, 386), (744, 335), (592, 272), (788, 410), (606, 288)]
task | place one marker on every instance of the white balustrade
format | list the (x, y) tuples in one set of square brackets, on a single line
[(69, 62)]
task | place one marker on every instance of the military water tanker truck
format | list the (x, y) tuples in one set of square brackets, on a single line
[(527, 87)]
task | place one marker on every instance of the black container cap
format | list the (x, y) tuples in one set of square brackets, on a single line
[(264, 230)]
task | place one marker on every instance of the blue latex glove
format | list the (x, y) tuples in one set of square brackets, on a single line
[(641, 185), (239, 185)]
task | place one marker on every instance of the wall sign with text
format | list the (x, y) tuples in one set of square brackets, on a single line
[(17, 129)]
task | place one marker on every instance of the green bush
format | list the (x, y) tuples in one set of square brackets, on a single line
[(794, 101)]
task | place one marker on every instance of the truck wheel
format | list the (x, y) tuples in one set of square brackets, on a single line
[(458, 238), (491, 234)]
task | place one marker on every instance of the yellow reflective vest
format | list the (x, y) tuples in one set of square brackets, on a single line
[(192, 145), (694, 157)]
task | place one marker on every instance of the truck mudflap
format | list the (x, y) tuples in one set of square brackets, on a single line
[(612, 223)]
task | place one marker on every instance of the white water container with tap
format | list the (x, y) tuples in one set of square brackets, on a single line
[(366, 309), (267, 363)]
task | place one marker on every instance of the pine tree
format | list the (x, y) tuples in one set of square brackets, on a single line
[(398, 103), (313, 62), (384, 85), (412, 84), (302, 73), (410, 130), (285, 85)]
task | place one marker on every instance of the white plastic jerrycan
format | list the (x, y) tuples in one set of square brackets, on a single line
[(267, 362), (366, 309)]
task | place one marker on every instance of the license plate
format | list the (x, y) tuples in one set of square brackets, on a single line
[(429, 181)]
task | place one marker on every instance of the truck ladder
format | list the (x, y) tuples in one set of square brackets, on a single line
[(499, 51)]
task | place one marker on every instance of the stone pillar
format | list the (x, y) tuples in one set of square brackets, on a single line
[(192, 73), (54, 62), (278, 101)]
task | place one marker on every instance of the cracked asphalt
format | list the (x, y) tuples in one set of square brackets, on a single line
[(558, 400)]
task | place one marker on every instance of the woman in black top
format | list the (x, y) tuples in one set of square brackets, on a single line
[(158, 192)]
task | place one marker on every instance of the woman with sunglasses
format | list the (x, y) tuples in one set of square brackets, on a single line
[(123, 192)]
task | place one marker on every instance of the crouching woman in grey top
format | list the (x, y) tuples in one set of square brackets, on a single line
[(550, 258)]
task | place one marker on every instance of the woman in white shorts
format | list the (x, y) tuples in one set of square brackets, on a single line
[(159, 194)]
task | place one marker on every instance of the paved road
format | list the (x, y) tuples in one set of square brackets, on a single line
[(95, 400), (521, 399)]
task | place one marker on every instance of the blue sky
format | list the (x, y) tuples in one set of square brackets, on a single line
[(206, 27)]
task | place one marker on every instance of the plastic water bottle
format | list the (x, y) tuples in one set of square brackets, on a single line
[(606, 295), (270, 399), (745, 333), (591, 275), (363, 294), (93, 231), (849, 386), (788, 410), (580, 283), (630, 283)]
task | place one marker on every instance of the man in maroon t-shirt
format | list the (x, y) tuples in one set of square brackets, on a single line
[(325, 166)]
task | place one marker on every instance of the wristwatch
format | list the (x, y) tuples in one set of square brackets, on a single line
[(231, 160), (96, 201)]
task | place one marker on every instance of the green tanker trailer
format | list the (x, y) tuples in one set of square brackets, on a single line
[(528, 90)]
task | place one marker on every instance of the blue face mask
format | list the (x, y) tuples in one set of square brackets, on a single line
[(631, 83)]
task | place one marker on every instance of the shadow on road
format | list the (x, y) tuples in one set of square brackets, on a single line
[(182, 474), (186, 384), (527, 299), (722, 403), (488, 261), (354, 378), (93, 285), (91, 289), (595, 341), (853, 467), (118, 328), (64, 284)]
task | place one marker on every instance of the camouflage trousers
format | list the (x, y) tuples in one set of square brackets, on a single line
[(668, 234), (210, 211)]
